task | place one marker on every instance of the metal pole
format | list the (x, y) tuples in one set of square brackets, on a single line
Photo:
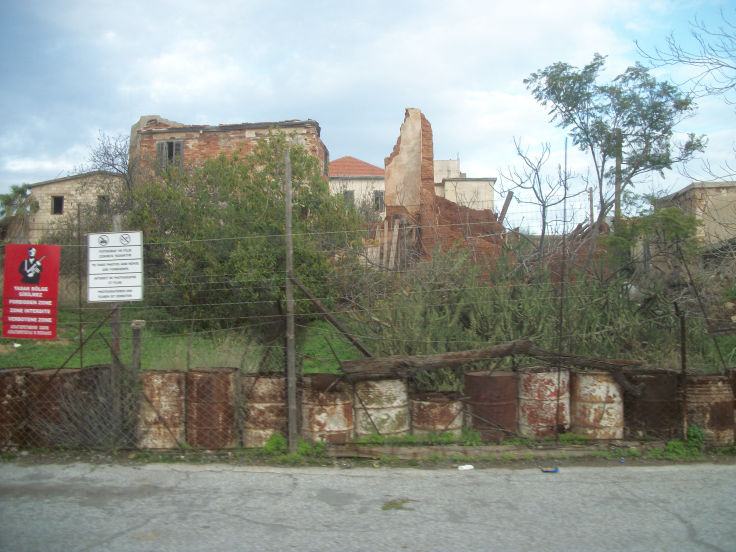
[(115, 364), (683, 368), (79, 283), (290, 346), (137, 327), (115, 318)]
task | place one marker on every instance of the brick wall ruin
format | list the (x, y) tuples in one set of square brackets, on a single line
[(429, 221), (202, 142)]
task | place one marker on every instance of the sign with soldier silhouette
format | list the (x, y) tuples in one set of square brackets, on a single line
[(30, 291)]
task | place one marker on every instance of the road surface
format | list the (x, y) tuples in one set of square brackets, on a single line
[(183, 507)]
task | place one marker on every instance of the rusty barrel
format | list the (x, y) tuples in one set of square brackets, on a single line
[(327, 409), (262, 403), (52, 397), (436, 413), (493, 403), (162, 416), (710, 406), (596, 405), (210, 411), (381, 406), (653, 407), (13, 405), (544, 401)]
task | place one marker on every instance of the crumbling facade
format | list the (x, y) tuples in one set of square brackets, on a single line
[(158, 142), (418, 221)]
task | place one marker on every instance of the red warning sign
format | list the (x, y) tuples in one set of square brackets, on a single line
[(30, 291)]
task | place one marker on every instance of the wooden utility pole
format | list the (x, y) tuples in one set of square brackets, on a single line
[(617, 183), (290, 345)]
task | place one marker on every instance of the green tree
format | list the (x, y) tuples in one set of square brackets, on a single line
[(215, 235), (626, 125), (15, 208)]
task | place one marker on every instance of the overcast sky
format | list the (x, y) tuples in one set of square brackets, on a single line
[(74, 68)]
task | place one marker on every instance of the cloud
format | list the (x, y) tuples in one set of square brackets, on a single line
[(186, 72)]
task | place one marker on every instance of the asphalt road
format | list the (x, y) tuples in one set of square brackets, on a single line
[(164, 507)]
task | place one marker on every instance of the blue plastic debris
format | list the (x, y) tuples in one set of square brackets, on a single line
[(550, 470)]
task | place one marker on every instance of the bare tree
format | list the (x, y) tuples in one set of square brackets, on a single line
[(713, 57), (547, 191)]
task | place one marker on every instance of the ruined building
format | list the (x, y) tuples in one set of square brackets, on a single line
[(418, 220), (155, 139)]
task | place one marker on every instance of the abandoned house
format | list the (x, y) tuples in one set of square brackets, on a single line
[(52, 199), (166, 142), (713, 204)]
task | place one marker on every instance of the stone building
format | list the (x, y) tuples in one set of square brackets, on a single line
[(158, 141), (56, 198), (713, 204)]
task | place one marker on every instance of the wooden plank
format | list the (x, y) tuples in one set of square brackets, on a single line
[(385, 244), (394, 243)]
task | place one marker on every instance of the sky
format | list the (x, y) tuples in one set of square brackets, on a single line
[(73, 69)]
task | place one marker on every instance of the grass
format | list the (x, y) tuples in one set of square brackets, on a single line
[(166, 351)]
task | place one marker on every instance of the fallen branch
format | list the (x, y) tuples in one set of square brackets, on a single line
[(403, 366)]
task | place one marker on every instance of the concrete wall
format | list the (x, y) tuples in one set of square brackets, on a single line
[(475, 193)]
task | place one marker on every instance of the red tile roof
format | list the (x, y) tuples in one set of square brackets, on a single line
[(350, 166)]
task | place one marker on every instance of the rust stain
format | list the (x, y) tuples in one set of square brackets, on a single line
[(436, 412), (210, 412), (493, 402), (161, 422), (710, 406)]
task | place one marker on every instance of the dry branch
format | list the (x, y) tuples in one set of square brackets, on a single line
[(581, 361), (402, 366)]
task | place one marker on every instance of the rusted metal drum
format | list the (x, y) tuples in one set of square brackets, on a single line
[(493, 403), (210, 410), (381, 406), (52, 399), (654, 408), (327, 409), (596, 405), (262, 402), (162, 417), (13, 405), (436, 413), (544, 401), (710, 406)]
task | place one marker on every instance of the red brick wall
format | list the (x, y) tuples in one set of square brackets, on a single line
[(206, 142)]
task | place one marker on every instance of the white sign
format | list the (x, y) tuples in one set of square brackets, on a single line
[(114, 267)]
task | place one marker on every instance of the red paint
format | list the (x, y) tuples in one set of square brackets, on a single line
[(30, 291)]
